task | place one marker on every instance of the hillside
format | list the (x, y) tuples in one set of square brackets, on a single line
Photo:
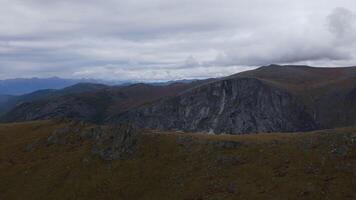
[(4, 98), (48, 94), (329, 93), (91, 102), (315, 165), (300, 78)]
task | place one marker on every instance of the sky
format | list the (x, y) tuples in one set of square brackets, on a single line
[(151, 40)]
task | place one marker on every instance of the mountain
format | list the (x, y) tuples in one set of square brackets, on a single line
[(272, 98), (22, 86)]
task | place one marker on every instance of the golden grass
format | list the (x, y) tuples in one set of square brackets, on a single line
[(266, 166)]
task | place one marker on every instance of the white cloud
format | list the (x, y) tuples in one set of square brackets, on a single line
[(157, 39)]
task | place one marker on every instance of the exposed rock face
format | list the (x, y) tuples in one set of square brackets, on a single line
[(236, 106)]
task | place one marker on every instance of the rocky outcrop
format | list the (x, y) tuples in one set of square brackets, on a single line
[(115, 142), (108, 142), (235, 106)]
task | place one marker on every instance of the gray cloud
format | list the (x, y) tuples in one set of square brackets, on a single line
[(341, 22), (161, 40)]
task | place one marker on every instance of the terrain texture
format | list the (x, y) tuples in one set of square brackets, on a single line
[(69, 160)]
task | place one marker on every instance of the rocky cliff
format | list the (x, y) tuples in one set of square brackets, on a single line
[(239, 106)]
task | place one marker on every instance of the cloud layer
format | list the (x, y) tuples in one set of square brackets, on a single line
[(164, 40)]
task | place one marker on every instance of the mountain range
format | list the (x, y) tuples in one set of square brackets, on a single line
[(271, 98)]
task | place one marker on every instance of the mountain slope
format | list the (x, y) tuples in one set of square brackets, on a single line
[(93, 105), (77, 106), (5, 98), (14, 101), (300, 79)]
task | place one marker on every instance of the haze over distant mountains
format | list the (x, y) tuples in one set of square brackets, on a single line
[(19, 86)]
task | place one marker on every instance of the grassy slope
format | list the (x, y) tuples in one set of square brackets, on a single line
[(318, 165), (306, 82)]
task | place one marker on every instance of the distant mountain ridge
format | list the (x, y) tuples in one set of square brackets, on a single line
[(20, 86)]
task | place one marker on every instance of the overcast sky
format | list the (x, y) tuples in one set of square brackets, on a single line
[(171, 39)]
